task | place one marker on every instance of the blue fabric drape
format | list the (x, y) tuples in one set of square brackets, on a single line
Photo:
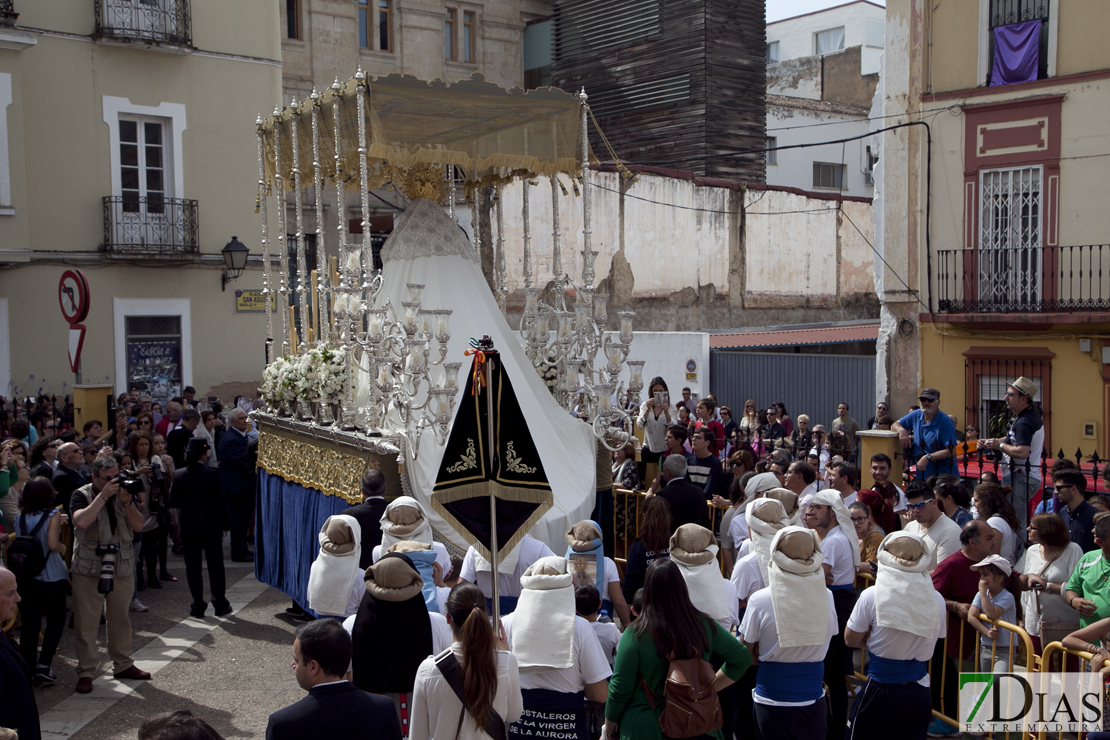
[(286, 534)]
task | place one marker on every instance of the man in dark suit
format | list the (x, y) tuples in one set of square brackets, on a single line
[(687, 500), (237, 475), (334, 708), (199, 496), (179, 438), (368, 514), (18, 710)]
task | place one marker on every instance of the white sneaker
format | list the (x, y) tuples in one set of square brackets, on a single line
[(138, 606)]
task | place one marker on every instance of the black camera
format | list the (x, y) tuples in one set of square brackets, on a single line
[(107, 555), (131, 484)]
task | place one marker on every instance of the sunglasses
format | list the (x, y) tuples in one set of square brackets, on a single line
[(917, 507), (859, 519), (926, 400)]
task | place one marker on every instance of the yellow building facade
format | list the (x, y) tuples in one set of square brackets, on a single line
[(997, 236), (128, 152)]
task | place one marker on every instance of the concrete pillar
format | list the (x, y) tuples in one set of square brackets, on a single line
[(872, 442)]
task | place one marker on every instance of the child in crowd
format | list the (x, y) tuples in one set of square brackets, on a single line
[(995, 602), (587, 604)]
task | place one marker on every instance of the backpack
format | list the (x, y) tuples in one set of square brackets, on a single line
[(692, 707), (26, 555)]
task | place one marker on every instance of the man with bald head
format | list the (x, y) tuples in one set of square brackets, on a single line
[(17, 701), (68, 476), (238, 476), (172, 419), (954, 580)]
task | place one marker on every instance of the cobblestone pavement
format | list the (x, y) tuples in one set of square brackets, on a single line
[(234, 672)]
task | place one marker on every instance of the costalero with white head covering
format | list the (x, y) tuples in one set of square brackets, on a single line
[(832, 499), (404, 521), (694, 549), (904, 594), (543, 623), (797, 584), (766, 517), (335, 572)]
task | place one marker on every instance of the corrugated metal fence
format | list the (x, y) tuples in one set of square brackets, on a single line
[(807, 384)]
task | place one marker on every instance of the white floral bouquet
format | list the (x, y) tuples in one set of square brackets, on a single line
[(331, 371), (306, 379), (277, 386)]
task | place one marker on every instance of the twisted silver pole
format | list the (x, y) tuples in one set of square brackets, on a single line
[(267, 286), (283, 256), (302, 270), (321, 252)]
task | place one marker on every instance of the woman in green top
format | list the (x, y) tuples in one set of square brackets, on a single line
[(668, 623)]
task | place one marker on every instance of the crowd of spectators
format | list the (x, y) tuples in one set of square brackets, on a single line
[(754, 565)]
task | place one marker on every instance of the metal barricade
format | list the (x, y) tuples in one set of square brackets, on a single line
[(628, 509), (1050, 651)]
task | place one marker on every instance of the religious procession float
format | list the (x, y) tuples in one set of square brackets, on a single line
[(366, 366)]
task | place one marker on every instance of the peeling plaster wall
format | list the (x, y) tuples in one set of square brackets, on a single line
[(690, 260)]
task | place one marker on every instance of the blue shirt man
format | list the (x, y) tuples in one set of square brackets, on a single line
[(931, 434)]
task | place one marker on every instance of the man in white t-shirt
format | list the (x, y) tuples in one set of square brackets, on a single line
[(787, 628), (899, 620), (828, 516), (940, 533), (478, 570)]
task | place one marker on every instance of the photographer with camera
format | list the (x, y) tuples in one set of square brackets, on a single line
[(102, 572)]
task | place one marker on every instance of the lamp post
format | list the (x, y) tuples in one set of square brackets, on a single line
[(235, 258)]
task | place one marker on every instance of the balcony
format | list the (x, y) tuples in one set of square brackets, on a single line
[(1042, 280), (7, 13), (150, 226), (158, 22)]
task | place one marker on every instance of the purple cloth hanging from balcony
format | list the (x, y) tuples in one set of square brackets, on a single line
[(1016, 53)]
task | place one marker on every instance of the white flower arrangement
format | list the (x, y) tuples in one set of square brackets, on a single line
[(312, 377)]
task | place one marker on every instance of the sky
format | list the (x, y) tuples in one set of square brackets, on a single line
[(779, 9)]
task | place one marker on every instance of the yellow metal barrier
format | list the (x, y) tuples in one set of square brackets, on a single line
[(1049, 652), (628, 507)]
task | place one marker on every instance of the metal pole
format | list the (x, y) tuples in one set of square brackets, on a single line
[(492, 500)]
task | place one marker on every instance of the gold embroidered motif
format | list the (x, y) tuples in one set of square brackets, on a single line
[(332, 472), (514, 463), (468, 460)]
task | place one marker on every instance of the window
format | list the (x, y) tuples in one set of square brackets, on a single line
[(773, 52), (827, 175), (988, 370), (826, 42), (142, 159), (869, 167), (293, 19), (154, 355), (537, 54), (468, 37), (1010, 253), (1010, 12), (385, 25), (449, 35), (366, 19), (772, 156)]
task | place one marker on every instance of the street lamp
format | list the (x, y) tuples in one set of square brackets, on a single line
[(235, 257)]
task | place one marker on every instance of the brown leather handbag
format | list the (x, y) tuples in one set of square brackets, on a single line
[(692, 707)]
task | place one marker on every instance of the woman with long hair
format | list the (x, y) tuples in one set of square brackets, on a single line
[(43, 454), (953, 498), (750, 420), (657, 412), (488, 673), (155, 505), (1046, 567), (992, 501), (45, 594), (655, 537), (869, 533), (207, 430), (668, 625)]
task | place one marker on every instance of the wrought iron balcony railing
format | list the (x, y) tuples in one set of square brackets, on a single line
[(152, 21), (7, 13), (1024, 280), (150, 225)]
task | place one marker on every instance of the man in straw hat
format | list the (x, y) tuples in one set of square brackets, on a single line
[(787, 628), (899, 620), (829, 517), (1022, 446)]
